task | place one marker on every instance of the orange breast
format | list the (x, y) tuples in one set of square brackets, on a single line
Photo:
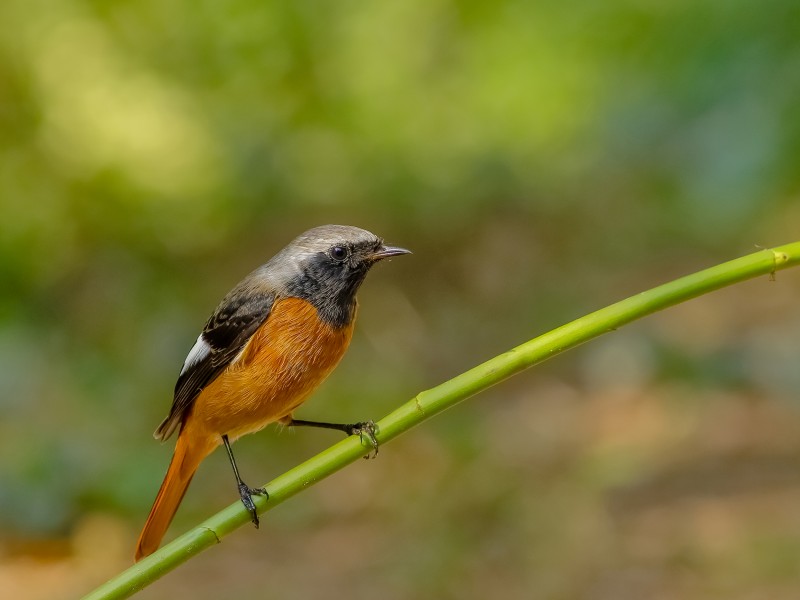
[(285, 360)]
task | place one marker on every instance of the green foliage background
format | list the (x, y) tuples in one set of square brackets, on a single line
[(541, 159)]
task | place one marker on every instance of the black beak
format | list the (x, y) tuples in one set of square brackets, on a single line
[(388, 251)]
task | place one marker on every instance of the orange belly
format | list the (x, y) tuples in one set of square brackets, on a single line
[(285, 360)]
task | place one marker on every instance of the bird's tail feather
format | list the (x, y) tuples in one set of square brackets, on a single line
[(184, 463)]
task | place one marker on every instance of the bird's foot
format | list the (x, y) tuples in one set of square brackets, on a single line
[(246, 494), (367, 431)]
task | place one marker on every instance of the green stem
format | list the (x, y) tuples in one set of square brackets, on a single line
[(435, 400)]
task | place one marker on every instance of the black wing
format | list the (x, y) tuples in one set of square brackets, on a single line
[(225, 334)]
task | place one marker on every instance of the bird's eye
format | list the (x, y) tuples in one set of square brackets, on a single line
[(339, 253)]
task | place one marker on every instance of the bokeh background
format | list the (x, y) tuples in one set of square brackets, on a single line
[(542, 159)]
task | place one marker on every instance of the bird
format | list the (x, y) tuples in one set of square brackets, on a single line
[(270, 342)]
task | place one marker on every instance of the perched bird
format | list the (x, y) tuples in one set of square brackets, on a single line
[(271, 341)]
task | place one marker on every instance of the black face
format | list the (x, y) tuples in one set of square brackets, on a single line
[(331, 278), (354, 257)]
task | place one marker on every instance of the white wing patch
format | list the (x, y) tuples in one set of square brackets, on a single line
[(199, 351)]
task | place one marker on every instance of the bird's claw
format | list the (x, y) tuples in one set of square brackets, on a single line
[(246, 494), (367, 431)]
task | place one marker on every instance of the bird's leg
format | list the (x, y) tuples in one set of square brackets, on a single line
[(366, 430), (245, 493)]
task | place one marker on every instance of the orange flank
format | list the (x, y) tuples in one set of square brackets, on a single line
[(281, 365)]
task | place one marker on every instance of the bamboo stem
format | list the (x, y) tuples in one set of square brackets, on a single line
[(435, 400)]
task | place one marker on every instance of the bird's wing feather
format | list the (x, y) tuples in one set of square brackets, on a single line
[(224, 336)]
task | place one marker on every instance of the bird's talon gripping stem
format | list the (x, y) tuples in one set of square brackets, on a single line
[(367, 431), (246, 494)]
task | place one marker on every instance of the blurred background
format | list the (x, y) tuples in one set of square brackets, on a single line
[(541, 159)]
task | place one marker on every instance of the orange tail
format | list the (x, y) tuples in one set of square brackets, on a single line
[(185, 460)]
